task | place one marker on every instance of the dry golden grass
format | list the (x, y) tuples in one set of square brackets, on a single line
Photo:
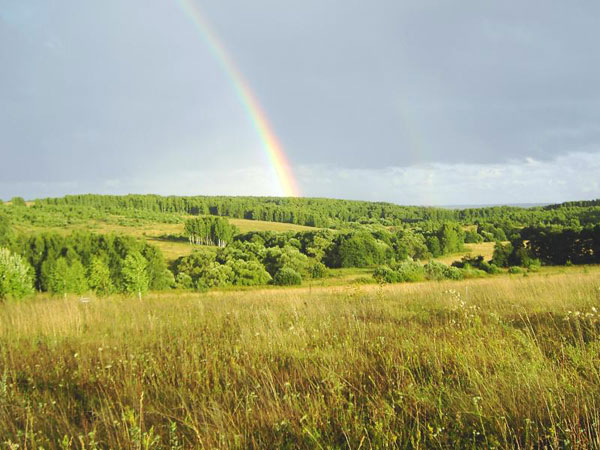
[(485, 249), (490, 363)]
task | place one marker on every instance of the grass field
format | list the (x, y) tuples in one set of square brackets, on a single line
[(485, 249), (502, 362)]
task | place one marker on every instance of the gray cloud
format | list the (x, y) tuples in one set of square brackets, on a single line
[(101, 91)]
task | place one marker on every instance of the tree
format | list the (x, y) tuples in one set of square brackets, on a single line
[(184, 281), (451, 238), (99, 277), (433, 244), (412, 245), (159, 276), (473, 237), (216, 275), (65, 277), (502, 252), (209, 231), (135, 276), (18, 201), (194, 265), (248, 273), (357, 249), (15, 276), (319, 244), (317, 270), (276, 258), (5, 229)]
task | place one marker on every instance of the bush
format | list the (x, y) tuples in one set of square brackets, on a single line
[(435, 270), (534, 265), (15, 276), (470, 272), (454, 273), (410, 271), (384, 274), (286, 276), (489, 268), (515, 270)]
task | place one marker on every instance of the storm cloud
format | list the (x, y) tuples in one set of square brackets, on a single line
[(119, 96)]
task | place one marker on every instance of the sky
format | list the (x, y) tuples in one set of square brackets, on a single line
[(412, 102)]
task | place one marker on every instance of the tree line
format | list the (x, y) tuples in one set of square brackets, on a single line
[(320, 212), (550, 246), (81, 262)]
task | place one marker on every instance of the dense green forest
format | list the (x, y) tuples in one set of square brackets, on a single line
[(389, 239), (320, 212)]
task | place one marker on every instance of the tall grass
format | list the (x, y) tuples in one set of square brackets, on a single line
[(492, 363)]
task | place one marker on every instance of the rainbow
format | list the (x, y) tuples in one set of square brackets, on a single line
[(277, 158)]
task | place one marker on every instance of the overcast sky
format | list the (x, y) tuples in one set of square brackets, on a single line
[(413, 102)]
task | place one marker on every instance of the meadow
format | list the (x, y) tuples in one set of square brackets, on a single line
[(498, 362)]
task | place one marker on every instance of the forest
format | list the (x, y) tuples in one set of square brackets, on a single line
[(397, 243)]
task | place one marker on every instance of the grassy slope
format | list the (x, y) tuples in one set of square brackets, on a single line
[(478, 363)]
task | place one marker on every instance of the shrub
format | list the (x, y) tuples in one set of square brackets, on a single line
[(410, 271), (489, 268), (435, 270), (454, 273), (318, 270), (470, 272), (286, 276), (534, 265), (384, 274), (514, 270)]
